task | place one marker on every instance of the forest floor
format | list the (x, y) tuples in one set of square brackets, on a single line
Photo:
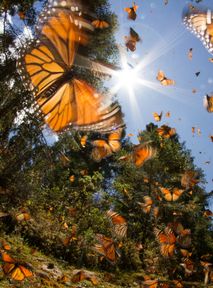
[(51, 272)]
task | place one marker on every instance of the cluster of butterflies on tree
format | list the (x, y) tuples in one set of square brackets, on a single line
[(173, 240), (66, 101)]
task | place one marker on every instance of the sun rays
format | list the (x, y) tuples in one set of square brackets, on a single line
[(129, 78)]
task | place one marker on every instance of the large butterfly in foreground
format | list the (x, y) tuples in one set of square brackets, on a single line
[(47, 69), (200, 23)]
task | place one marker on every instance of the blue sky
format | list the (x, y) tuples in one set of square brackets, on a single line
[(165, 44)]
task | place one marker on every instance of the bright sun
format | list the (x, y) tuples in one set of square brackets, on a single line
[(128, 77)]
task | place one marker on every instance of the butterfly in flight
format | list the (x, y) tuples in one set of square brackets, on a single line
[(166, 131), (104, 148), (163, 79), (166, 240), (200, 23), (190, 54), (132, 11), (157, 116), (106, 248), (47, 68), (208, 103), (131, 40), (119, 224)]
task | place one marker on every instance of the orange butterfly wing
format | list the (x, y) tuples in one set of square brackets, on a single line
[(142, 153), (157, 116), (100, 24), (62, 99), (127, 9), (119, 223), (114, 140), (106, 247), (164, 81), (20, 273)]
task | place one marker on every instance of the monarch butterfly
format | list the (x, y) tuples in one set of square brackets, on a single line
[(208, 103), (166, 240), (211, 137), (166, 131), (81, 275), (132, 11), (106, 248), (163, 80), (131, 40), (171, 194), (157, 116), (211, 60), (193, 130), (197, 73), (168, 114), (103, 148), (100, 24), (190, 54), (48, 66), (200, 23), (142, 153), (146, 207), (15, 269), (119, 223), (189, 179), (183, 235)]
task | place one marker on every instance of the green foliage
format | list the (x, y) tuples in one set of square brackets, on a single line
[(35, 177)]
